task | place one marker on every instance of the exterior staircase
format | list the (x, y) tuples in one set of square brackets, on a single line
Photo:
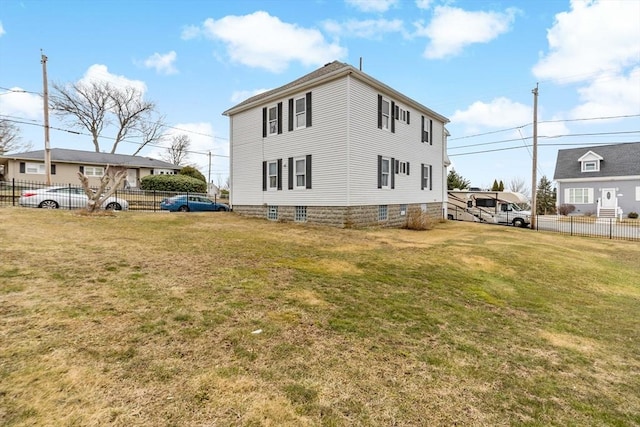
[(607, 213)]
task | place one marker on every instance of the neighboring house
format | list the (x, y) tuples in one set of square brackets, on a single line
[(65, 165), (337, 147), (601, 180)]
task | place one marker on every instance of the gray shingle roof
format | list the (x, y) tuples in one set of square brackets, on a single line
[(332, 68), (618, 160), (63, 155)]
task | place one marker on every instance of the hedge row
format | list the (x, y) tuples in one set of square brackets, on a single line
[(179, 183)]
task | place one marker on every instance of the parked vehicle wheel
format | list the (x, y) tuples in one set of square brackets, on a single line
[(221, 209), (113, 206), (518, 222), (183, 208), (48, 204), (450, 217)]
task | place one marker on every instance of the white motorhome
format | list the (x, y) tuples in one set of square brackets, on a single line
[(495, 207)]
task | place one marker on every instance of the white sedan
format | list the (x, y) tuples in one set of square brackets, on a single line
[(66, 197)]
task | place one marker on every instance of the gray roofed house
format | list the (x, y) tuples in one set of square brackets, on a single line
[(66, 163), (602, 180)]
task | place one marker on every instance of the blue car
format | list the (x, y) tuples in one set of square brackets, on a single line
[(184, 203)]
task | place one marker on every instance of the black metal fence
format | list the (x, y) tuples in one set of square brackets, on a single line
[(609, 228), (138, 200)]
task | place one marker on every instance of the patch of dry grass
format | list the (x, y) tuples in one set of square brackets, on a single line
[(152, 319)]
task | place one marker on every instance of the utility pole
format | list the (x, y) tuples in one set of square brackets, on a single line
[(534, 179), (45, 92)]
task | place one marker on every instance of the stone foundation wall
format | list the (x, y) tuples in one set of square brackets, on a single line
[(345, 216)]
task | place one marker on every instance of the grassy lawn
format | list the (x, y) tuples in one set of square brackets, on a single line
[(156, 319)]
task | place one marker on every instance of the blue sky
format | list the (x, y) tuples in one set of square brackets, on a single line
[(475, 62)]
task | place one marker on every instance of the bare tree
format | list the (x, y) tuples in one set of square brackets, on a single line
[(517, 185), (109, 183), (10, 137), (96, 105), (150, 132), (178, 152)]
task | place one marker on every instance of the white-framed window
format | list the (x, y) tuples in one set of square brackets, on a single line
[(300, 112), (273, 120), (272, 213), (426, 177), (96, 171), (300, 173), (637, 194), (301, 214), (402, 114), (401, 167), (35, 168), (579, 196), (385, 172), (386, 114), (383, 213), (403, 209), (272, 171), (590, 166)]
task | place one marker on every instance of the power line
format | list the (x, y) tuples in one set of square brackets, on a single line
[(580, 144)]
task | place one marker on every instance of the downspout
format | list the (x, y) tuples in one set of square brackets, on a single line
[(348, 141)]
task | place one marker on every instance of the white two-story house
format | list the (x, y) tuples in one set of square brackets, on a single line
[(337, 147)]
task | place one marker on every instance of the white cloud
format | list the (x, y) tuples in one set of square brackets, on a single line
[(423, 4), (370, 29), (452, 29), (263, 41), (163, 64), (190, 32), (503, 113), (499, 113), (372, 5), (18, 103), (99, 72), (610, 96), (593, 37), (2, 31), (240, 95)]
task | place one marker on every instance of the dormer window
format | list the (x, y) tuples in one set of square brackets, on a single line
[(590, 162), (590, 166)]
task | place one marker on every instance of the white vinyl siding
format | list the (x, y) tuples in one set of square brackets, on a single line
[(344, 142), (578, 196), (637, 194)]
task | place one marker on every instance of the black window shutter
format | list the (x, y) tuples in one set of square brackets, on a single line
[(279, 117), (393, 122), (379, 171), (279, 174), (397, 112), (397, 165), (23, 167), (82, 170), (264, 176), (379, 113), (422, 176), (392, 173), (264, 122), (422, 130), (308, 109), (53, 169), (407, 168), (308, 171), (430, 177), (430, 132), (290, 114), (408, 121), (290, 173)]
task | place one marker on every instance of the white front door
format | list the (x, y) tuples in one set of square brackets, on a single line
[(609, 198)]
